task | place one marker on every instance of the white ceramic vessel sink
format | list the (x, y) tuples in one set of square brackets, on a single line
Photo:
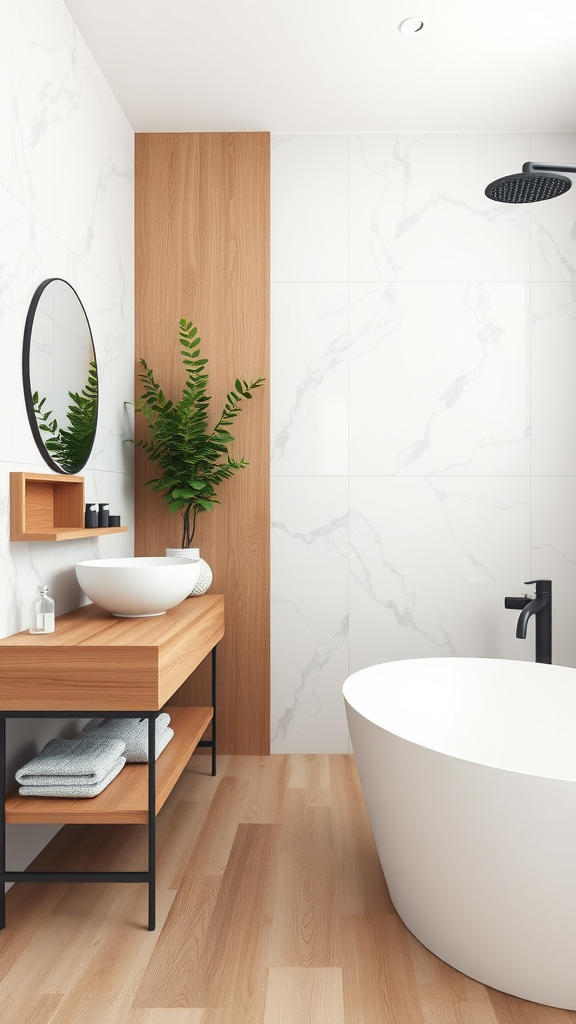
[(137, 587)]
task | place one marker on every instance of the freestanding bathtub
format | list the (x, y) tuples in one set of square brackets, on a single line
[(468, 770)]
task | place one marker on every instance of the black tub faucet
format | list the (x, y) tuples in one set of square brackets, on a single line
[(541, 607)]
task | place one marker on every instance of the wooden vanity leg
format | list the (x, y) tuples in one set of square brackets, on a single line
[(3, 821), (214, 709), (151, 821)]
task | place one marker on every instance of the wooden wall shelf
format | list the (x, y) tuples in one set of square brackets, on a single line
[(49, 507)]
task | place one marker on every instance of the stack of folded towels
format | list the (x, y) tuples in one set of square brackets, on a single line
[(134, 733), (84, 766), (80, 767)]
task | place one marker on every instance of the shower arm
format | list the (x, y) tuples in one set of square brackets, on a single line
[(529, 168)]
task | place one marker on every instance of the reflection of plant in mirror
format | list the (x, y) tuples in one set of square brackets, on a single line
[(71, 445), (190, 456)]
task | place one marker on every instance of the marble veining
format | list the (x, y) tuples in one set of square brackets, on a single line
[(309, 379), (66, 210), (438, 379), (418, 210), (422, 415), (305, 694), (372, 569)]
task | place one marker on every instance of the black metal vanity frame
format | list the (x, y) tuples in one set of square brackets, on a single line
[(148, 876)]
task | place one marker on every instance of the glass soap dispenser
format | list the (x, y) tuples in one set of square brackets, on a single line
[(42, 612)]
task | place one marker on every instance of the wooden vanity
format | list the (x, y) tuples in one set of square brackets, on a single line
[(95, 665)]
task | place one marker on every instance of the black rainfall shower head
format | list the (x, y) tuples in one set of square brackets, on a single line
[(532, 186), (527, 188)]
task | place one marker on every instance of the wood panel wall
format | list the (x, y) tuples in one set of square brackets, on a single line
[(202, 252)]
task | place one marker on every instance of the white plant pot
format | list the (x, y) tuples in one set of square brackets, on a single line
[(205, 577)]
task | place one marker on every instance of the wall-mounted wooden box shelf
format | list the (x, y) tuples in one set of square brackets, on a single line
[(50, 507)]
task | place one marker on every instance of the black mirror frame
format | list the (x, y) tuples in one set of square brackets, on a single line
[(26, 374)]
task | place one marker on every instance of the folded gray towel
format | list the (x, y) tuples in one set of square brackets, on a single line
[(75, 788), (85, 761), (134, 733), (162, 741)]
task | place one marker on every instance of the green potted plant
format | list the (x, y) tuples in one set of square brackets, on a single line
[(193, 459)]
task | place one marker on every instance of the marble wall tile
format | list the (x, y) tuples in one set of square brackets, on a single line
[(72, 153), (439, 379), (309, 208), (554, 223), (33, 257), (418, 210), (93, 161), (5, 316), (431, 561), (309, 375), (6, 91), (460, 372), (33, 92), (66, 210), (553, 379), (309, 584), (554, 556)]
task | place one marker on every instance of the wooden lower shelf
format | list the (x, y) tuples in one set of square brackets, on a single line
[(125, 800)]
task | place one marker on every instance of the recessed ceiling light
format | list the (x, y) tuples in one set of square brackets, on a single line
[(411, 25)]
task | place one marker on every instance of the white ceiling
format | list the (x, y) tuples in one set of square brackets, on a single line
[(336, 65)]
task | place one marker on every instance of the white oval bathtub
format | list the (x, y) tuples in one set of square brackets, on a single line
[(468, 770)]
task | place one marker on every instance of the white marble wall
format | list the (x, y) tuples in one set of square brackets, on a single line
[(423, 418), (66, 210)]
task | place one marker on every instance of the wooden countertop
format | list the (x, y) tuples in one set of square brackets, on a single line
[(95, 662)]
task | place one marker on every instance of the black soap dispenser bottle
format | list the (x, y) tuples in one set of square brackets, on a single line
[(91, 516)]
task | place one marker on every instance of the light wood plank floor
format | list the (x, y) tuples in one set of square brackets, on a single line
[(272, 909)]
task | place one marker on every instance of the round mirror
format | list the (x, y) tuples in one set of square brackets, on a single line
[(60, 376)]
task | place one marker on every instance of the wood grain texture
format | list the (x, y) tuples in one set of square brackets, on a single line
[(59, 533), (267, 779), (175, 975), (311, 774), (248, 918), (27, 1009), (47, 507), (306, 919), (362, 887), (509, 1010), (103, 992), (94, 661), (296, 995), (165, 1016), (41, 501), (239, 933), (202, 252), (463, 999), (126, 798), (378, 973)]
